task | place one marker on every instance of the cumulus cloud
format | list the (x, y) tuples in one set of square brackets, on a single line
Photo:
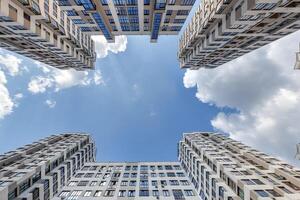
[(61, 79), (264, 89), (10, 63), (6, 103), (102, 47), (50, 103), (39, 84)]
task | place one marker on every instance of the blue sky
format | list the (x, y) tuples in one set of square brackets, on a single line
[(138, 113), (138, 102)]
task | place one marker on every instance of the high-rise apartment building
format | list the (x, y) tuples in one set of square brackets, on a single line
[(38, 171), (224, 169), (222, 30), (63, 167), (58, 32), (129, 17), (210, 167), (42, 30), (141, 180)]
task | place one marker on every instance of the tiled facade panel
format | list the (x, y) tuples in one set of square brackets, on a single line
[(142, 180), (58, 32), (224, 169), (39, 170), (42, 31), (222, 30)]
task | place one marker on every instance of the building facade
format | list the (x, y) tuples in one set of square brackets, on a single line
[(210, 167), (222, 30), (141, 180), (223, 169), (39, 170), (128, 17), (58, 32), (43, 31)]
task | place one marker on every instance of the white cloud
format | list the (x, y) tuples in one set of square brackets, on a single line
[(50, 103), (61, 79), (264, 89), (102, 47), (39, 84), (6, 103), (98, 78), (10, 63), (17, 97)]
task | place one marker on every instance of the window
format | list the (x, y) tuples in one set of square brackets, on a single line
[(102, 183), (144, 193), (73, 183), (155, 193), (126, 175), (93, 183), (161, 175), (115, 175), (247, 182), (273, 193), (159, 167), (134, 168), (98, 175), (64, 193), (166, 193), (88, 175), (163, 183), (144, 183), (87, 193), (24, 186), (180, 174), (154, 183), (144, 168), (133, 175), (109, 193), (291, 185), (178, 194), (257, 182), (184, 182), (168, 167), (132, 183), (240, 193), (153, 175), (112, 183), (177, 167), (143, 175), (122, 193), (83, 183), (79, 175), (262, 193), (171, 174), (106, 176), (75, 194), (189, 193), (174, 182), (131, 193), (4, 183), (124, 183), (98, 193)]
